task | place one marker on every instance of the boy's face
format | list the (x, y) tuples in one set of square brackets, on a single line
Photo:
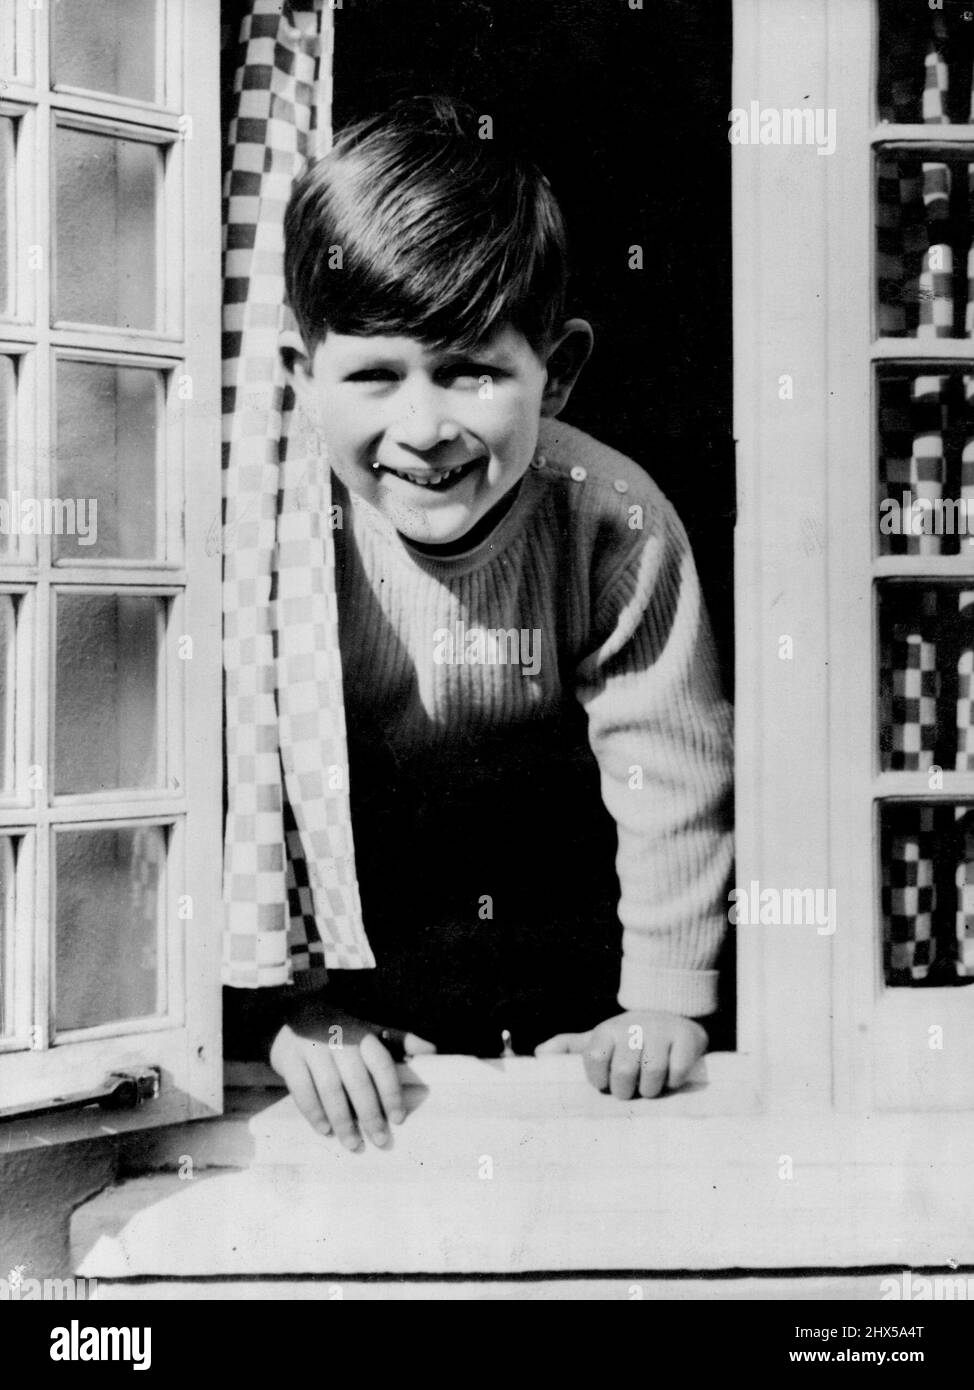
[(432, 438)]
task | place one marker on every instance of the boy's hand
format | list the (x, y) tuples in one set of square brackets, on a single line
[(338, 1071), (636, 1053)]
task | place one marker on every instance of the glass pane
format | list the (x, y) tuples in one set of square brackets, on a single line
[(106, 46), (7, 922), (8, 672), (10, 34), (926, 462), (923, 240), (8, 446), (110, 959), (8, 216), (925, 53), (106, 203), (107, 421), (926, 677), (928, 893), (107, 696)]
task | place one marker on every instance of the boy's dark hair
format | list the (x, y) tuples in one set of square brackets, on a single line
[(444, 235)]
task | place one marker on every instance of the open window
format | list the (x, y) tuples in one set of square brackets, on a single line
[(110, 772), (110, 766), (853, 363), (904, 553), (853, 369)]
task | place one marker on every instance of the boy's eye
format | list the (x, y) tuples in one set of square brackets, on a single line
[(459, 370), (454, 372), (372, 374)]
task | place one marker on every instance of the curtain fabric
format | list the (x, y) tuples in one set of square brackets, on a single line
[(924, 206), (925, 268), (928, 895), (927, 720), (291, 900)]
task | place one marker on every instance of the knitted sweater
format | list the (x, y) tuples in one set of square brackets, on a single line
[(584, 598)]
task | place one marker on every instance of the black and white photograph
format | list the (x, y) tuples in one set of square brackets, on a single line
[(487, 663)]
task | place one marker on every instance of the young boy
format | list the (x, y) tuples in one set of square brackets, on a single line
[(530, 687)]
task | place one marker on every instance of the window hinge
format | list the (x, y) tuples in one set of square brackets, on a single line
[(121, 1090)]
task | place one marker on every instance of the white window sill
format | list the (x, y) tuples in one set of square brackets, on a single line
[(579, 1182)]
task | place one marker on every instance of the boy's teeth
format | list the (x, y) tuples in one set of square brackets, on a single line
[(432, 478)]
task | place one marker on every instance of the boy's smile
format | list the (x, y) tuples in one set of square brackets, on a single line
[(433, 438)]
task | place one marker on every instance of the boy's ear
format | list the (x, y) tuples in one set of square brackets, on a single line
[(297, 366), (565, 359)]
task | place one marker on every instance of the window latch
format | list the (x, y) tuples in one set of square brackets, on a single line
[(121, 1090)]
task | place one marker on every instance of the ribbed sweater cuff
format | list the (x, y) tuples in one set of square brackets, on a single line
[(691, 993)]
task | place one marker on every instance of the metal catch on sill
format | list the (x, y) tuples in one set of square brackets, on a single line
[(121, 1090)]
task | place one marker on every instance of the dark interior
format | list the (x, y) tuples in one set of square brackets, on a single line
[(626, 112)]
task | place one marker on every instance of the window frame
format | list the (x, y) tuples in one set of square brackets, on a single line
[(883, 1044), (866, 1188), (804, 240), (185, 346), (817, 1034), (780, 260)]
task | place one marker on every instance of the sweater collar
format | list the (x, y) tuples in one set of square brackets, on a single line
[(493, 544)]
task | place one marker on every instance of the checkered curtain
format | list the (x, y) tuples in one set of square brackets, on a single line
[(923, 223), (925, 202), (927, 680), (913, 423), (927, 673), (926, 451), (928, 895), (915, 255), (924, 62), (291, 898), (910, 895)]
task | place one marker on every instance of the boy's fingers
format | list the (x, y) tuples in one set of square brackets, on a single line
[(684, 1055), (563, 1042), (362, 1093), (401, 1045), (329, 1087), (299, 1082), (624, 1071), (383, 1072), (282, 1050), (598, 1057), (653, 1069)]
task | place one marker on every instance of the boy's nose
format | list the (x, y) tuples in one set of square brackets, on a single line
[(425, 422)]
